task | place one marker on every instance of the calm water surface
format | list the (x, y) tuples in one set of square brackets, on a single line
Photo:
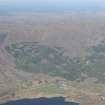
[(42, 101)]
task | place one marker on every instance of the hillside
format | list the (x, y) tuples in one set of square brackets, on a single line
[(65, 51)]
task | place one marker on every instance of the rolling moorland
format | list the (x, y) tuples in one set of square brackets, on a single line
[(45, 55)]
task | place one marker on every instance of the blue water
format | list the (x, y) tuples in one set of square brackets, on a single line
[(42, 101)]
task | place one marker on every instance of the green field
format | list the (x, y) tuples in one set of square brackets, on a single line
[(49, 89)]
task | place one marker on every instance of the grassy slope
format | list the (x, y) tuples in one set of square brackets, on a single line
[(37, 58)]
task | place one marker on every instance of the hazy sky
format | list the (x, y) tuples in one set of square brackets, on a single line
[(55, 1), (53, 4)]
